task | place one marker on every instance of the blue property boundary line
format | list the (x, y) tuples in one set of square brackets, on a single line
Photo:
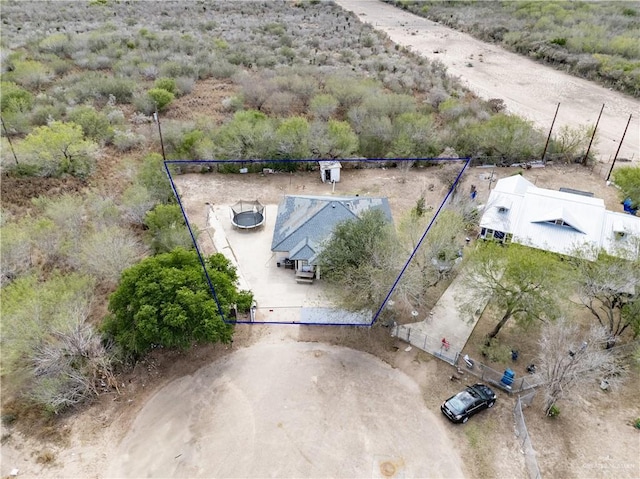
[(467, 161)]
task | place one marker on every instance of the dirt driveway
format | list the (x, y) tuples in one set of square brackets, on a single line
[(528, 88), (289, 409)]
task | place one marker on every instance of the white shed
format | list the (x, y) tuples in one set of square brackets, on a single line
[(330, 171)]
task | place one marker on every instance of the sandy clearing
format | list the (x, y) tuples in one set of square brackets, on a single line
[(529, 89), (289, 409)]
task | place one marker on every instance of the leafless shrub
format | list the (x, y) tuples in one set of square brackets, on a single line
[(127, 140), (357, 117), (115, 116), (349, 91), (437, 96), (323, 107), (233, 103), (67, 211), (107, 252), (257, 91), (102, 209), (222, 69), (70, 365), (389, 105), (282, 103), (46, 457), (136, 202), (139, 118), (149, 72), (573, 363), (184, 85), (304, 87), (16, 250), (497, 105)]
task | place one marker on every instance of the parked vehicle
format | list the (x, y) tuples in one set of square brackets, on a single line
[(473, 399)]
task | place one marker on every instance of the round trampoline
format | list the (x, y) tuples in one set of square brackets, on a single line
[(247, 215)]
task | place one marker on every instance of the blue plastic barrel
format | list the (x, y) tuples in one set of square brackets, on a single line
[(507, 377)]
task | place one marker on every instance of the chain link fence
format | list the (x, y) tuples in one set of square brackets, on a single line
[(429, 344), (524, 439), (491, 376)]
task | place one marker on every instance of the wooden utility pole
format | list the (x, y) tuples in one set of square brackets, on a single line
[(595, 128), (618, 150), (6, 133), (549, 135)]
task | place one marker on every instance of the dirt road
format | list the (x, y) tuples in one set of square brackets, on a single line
[(529, 89)]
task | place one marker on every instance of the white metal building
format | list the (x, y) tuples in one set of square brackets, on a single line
[(557, 221)]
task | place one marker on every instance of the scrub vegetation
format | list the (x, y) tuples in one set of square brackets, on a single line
[(599, 41)]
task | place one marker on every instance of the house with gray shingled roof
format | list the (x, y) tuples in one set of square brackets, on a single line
[(304, 223)]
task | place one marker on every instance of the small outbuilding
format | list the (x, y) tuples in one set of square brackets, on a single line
[(330, 171)]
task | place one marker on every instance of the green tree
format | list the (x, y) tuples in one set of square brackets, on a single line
[(292, 139), (165, 301), (323, 106), (628, 180), (30, 73), (570, 144), (376, 136), (16, 105), (334, 139), (506, 136), (360, 260), (153, 176), (249, 135), (167, 229), (524, 283), (168, 84), (415, 137), (160, 97), (14, 98), (437, 254), (95, 125), (57, 149)]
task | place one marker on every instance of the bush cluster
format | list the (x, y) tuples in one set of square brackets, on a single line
[(597, 41)]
